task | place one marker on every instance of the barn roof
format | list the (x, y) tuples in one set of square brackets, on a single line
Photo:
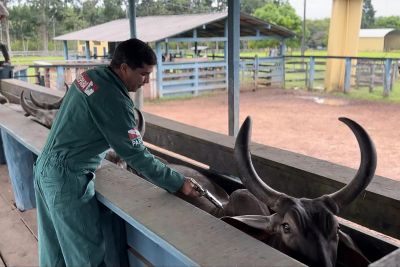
[(375, 32), (157, 28)]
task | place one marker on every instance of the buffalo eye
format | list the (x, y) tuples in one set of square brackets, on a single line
[(286, 228)]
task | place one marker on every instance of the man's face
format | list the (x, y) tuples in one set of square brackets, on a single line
[(135, 78)]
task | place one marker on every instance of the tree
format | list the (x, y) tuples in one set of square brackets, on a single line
[(317, 33), (249, 6), (368, 15), (283, 14), (388, 22)]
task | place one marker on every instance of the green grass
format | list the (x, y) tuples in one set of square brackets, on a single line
[(393, 54), (17, 60), (375, 95)]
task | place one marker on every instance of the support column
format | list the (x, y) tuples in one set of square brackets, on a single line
[(159, 74), (87, 50), (65, 50), (2, 156), (233, 65), (20, 168), (343, 40)]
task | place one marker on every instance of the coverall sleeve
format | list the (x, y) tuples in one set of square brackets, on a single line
[(116, 121)]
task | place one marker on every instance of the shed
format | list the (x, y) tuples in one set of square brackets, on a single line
[(179, 28), (379, 40), (190, 76)]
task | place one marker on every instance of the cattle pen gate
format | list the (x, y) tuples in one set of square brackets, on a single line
[(153, 228)]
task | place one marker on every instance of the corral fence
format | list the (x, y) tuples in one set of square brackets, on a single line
[(374, 73), (193, 76)]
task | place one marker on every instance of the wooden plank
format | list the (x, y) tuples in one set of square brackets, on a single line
[(392, 260), (18, 247), (173, 223), (12, 89), (28, 217), (29, 133)]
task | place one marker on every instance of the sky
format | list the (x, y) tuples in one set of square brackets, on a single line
[(317, 9)]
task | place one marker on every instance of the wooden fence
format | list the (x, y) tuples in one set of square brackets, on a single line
[(194, 77)]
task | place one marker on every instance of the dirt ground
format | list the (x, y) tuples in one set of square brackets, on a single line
[(298, 121)]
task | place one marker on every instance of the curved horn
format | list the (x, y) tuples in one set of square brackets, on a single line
[(46, 106), (29, 110), (248, 175), (366, 170), (141, 123)]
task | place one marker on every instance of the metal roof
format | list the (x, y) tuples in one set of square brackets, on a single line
[(157, 28), (374, 32)]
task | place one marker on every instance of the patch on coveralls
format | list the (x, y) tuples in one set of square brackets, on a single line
[(85, 84), (135, 137)]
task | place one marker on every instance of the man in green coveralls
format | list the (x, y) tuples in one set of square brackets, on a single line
[(96, 113)]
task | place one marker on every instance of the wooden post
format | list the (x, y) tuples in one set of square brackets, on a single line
[(233, 65), (372, 81), (65, 50), (343, 39), (87, 50), (256, 65), (60, 78), (392, 76), (159, 69), (20, 162), (196, 78), (347, 75), (386, 79), (311, 74)]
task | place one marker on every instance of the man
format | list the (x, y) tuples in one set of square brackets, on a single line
[(96, 113)]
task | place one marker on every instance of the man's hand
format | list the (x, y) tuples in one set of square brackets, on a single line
[(188, 188)]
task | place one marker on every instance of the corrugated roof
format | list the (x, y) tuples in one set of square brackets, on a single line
[(156, 28), (374, 32)]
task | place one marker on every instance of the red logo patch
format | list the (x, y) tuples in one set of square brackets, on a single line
[(135, 137), (85, 84)]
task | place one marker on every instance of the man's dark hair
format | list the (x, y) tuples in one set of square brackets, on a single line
[(134, 53)]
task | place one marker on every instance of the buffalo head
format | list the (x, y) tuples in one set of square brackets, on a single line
[(305, 229)]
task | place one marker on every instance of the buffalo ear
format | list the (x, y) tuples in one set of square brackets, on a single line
[(256, 226), (348, 253)]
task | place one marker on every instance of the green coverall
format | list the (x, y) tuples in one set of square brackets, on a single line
[(96, 113)]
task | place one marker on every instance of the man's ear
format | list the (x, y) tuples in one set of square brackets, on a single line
[(123, 67)]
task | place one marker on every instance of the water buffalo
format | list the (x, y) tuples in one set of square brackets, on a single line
[(306, 229)]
